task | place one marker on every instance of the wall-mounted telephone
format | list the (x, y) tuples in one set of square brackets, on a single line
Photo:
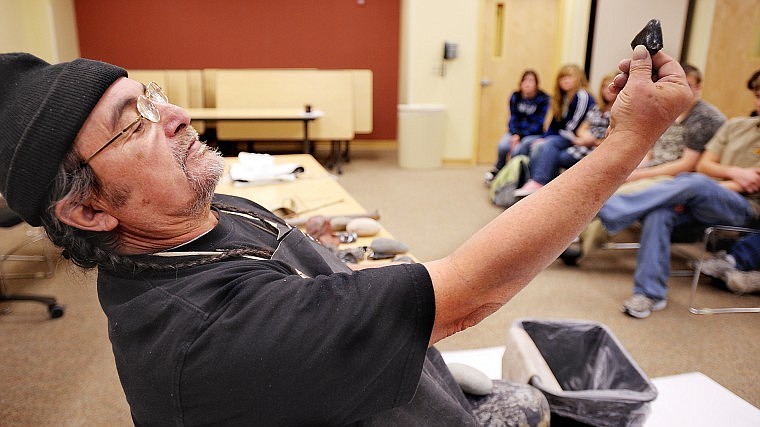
[(449, 53), (449, 50)]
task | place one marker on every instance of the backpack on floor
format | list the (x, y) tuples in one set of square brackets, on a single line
[(511, 177)]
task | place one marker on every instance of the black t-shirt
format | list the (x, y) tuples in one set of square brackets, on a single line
[(249, 342)]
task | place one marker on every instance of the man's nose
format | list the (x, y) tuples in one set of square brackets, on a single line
[(173, 118)]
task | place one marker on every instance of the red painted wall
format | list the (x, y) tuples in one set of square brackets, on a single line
[(177, 34)]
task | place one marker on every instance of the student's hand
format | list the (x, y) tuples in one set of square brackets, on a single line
[(747, 178), (585, 140), (731, 185), (636, 175), (645, 107), (514, 140)]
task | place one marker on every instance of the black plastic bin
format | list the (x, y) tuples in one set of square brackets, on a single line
[(590, 378)]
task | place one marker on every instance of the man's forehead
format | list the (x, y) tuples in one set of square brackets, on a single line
[(119, 99), (116, 101)]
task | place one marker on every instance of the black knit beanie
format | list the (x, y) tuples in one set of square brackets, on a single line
[(42, 108)]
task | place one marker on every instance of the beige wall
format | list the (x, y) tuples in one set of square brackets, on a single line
[(46, 28), (618, 21), (573, 31), (699, 39), (733, 54), (421, 80)]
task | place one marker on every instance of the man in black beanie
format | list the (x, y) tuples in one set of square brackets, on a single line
[(43, 107), (221, 314)]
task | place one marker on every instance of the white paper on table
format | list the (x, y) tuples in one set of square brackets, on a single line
[(258, 169)]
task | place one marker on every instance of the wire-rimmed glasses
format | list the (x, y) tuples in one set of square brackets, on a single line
[(147, 110)]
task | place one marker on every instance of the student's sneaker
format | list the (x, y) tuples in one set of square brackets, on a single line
[(743, 282), (718, 267), (489, 176), (640, 306), (529, 188)]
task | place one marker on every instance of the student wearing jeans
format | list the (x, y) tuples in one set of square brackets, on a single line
[(527, 111), (560, 151), (676, 151), (570, 102), (724, 191)]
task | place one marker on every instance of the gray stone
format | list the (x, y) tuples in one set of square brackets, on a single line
[(471, 380), (385, 245), (363, 227), (339, 223)]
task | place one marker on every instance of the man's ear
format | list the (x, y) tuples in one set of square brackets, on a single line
[(84, 216)]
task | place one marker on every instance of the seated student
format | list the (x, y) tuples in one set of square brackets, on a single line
[(560, 152), (219, 313), (676, 151), (726, 191), (527, 111), (679, 148), (739, 267), (570, 103)]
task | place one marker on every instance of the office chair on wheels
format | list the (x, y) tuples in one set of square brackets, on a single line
[(9, 219)]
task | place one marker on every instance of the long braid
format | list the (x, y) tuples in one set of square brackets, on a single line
[(139, 263)]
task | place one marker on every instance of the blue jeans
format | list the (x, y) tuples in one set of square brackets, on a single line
[(703, 201), (746, 252), (503, 148), (524, 146), (553, 155)]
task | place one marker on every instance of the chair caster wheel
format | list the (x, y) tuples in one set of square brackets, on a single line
[(55, 311)]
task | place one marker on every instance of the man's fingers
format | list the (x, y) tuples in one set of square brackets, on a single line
[(624, 65), (641, 64), (666, 66), (618, 82)]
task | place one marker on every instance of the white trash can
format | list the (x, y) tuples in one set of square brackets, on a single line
[(421, 135)]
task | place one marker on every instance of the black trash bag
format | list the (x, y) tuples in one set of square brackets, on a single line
[(600, 383)]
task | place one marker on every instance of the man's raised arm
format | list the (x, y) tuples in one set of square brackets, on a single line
[(499, 260)]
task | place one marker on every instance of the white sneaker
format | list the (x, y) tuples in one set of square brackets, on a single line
[(717, 267), (640, 306), (743, 282), (489, 176)]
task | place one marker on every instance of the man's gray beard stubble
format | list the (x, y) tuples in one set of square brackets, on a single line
[(204, 178)]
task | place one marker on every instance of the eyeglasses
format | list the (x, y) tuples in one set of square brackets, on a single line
[(147, 110)]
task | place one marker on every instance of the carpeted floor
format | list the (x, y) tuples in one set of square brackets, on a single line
[(61, 372)]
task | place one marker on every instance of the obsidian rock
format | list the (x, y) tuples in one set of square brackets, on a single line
[(650, 36)]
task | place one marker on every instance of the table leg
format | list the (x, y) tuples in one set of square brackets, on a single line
[(307, 148), (336, 156)]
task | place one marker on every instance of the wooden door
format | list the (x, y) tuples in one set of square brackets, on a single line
[(516, 35)]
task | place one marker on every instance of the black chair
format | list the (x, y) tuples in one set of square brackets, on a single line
[(9, 219)]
